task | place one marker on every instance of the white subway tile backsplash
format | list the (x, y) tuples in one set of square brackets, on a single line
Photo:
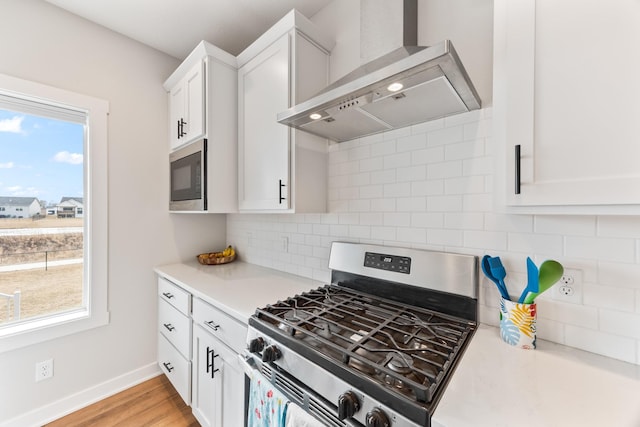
[(412, 235), (609, 297), (427, 220), (397, 219), (360, 231), (535, 244), (464, 221), (411, 173), (439, 236), (485, 240), (464, 150), (429, 155), (430, 186), (372, 164), (609, 345), (444, 170), (411, 204), (567, 225), (383, 177), (400, 160), (396, 133), (383, 233), (570, 314), (608, 249), (372, 218), (427, 188), (371, 191), (412, 143), (617, 226), (402, 189), (383, 149), (445, 136), (464, 185), (444, 203), (619, 323)]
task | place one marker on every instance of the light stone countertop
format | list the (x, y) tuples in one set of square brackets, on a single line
[(494, 385)]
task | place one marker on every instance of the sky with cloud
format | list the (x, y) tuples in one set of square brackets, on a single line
[(40, 157)]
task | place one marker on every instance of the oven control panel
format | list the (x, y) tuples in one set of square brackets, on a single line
[(399, 264)]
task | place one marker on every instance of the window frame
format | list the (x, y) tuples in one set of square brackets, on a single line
[(95, 313)]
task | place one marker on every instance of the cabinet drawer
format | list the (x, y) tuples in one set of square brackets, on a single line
[(174, 295), (221, 325), (175, 326), (175, 367)]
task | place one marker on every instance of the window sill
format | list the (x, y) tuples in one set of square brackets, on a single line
[(37, 331)]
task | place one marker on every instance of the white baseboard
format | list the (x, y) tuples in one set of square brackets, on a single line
[(72, 403)]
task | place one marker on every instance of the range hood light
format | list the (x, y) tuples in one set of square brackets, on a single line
[(315, 116), (394, 87)]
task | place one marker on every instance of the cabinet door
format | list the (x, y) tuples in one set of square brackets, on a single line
[(206, 382), (565, 91), (263, 156), (194, 87), (176, 113), (218, 382)]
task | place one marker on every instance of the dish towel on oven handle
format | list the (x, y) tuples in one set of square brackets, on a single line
[(297, 417), (267, 406)]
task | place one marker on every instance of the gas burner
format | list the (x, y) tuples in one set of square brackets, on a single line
[(400, 363)]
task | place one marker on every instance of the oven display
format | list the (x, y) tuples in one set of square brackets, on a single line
[(399, 264)]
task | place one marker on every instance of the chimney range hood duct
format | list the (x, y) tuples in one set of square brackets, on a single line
[(409, 85)]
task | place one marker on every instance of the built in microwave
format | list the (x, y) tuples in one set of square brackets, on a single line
[(188, 177)]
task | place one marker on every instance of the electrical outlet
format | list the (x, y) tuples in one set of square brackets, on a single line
[(44, 370), (284, 244), (569, 287)]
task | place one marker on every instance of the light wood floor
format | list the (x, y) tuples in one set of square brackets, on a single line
[(152, 403)]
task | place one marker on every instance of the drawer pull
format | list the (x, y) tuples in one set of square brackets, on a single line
[(212, 325), (168, 366), (168, 295), (169, 326)]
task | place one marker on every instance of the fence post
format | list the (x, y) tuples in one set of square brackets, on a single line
[(16, 305), (46, 260)]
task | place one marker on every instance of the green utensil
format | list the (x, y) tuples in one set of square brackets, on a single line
[(550, 272)]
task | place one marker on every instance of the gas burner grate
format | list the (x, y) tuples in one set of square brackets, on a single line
[(406, 349)]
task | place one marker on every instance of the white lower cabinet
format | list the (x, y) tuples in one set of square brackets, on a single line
[(217, 382), (198, 347)]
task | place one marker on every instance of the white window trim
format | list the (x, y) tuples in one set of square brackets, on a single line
[(96, 201)]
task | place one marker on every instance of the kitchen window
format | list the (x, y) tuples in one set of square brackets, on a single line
[(81, 122)]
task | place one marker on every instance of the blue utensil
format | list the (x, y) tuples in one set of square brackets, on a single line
[(486, 269), (498, 271), (533, 283)]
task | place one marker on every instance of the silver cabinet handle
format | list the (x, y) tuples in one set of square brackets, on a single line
[(211, 324)]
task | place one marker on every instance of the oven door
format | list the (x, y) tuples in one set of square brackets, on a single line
[(188, 177), (294, 391)]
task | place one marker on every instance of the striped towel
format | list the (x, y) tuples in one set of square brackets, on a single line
[(267, 406)]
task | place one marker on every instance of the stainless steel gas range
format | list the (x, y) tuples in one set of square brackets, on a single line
[(377, 346)]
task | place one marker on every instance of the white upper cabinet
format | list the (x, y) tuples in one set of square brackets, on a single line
[(203, 103), (187, 107), (566, 92), (281, 169)]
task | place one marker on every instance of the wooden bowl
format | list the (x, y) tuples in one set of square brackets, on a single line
[(205, 260)]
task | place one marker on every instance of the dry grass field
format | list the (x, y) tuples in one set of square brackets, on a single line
[(43, 291)]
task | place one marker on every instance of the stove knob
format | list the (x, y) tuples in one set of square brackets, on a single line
[(348, 405), (271, 354), (377, 418), (256, 345)]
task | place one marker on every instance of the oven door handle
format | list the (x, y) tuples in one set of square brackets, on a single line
[(247, 363)]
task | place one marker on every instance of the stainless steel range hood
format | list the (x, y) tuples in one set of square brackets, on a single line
[(409, 85)]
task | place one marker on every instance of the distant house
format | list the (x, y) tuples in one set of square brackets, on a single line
[(19, 207), (70, 207)]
